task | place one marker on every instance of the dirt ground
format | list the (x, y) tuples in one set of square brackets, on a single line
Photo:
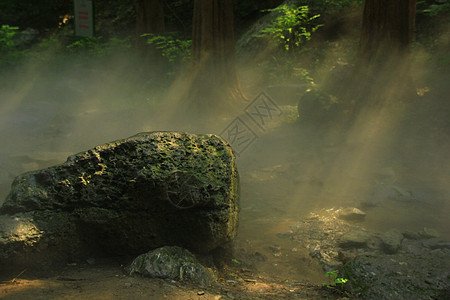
[(108, 281), (265, 267)]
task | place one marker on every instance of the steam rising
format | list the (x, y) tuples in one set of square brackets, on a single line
[(48, 113)]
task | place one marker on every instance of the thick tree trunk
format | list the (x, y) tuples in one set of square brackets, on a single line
[(387, 29), (213, 55), (149, 19), (383, 70)]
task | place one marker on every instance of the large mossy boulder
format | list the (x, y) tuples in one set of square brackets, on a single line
[(124, 197)]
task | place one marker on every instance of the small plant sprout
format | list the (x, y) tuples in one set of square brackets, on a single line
[(333, 280)]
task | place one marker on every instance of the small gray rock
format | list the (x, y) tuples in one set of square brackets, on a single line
[(352, 214), (392, 240), (412, 235), (174, 263), (382, 193), (412, 246), (428, 233), (354, 239), (436, 243)]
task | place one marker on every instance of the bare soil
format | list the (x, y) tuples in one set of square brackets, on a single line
[(270, 275)]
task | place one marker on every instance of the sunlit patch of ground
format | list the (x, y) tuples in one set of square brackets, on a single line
[(110, 282)]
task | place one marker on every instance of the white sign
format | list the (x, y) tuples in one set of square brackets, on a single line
[(84, 18)]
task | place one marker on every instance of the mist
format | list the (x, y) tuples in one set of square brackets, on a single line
[(392, 160)]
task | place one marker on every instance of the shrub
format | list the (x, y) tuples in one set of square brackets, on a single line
[(433, 7), (9, 53), (292, 27), (175, 50), (98, 46)]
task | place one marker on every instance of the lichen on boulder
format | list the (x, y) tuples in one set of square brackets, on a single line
[(130, 196)]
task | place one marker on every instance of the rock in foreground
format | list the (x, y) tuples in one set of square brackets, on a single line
[(124, 197), (172, 263)]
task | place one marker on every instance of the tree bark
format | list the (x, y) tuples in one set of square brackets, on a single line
[(149, 19), (214, 74), (383, 67), (387, 28)]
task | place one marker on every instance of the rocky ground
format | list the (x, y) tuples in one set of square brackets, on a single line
[(393, 264)]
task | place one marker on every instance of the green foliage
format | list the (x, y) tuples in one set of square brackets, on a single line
[(54, 49), (90, 45), (98, 46), (175, 50), (335, 281), (281, 68), (7, 34), (114, 16), (9, 54), (292, 27), (433, 7), (46, 50)]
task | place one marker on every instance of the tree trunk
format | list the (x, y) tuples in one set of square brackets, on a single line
[(149, 19), (383, 70), (215, 79), (387, 29)]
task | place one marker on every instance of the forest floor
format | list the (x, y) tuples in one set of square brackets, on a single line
[(286, 174), (108, 281), (282, 180), (263, 277)]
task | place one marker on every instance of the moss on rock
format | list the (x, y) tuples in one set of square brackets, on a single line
[(135, 194)]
